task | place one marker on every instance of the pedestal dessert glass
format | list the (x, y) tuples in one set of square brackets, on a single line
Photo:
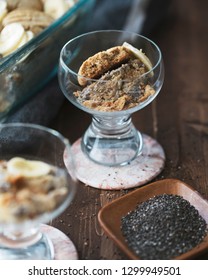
[(111, 140), (22, 215)]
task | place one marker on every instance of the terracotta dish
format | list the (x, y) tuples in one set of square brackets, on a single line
[(110, 215)]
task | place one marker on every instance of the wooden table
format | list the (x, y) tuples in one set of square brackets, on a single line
[(178, 119)]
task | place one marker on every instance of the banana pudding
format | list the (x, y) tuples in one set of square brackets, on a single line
[(21, 20), (123, 75), (29, 188)]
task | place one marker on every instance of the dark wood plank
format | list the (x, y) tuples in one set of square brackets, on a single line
[(178, 119)]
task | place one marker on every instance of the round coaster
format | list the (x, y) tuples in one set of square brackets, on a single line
[(140, 171), (64, 248)]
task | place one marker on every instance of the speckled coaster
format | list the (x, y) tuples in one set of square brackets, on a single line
[(140, 171), (64, 248)]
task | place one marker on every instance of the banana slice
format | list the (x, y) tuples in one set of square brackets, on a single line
[(55, 8), (18, 166), (30, 35), (10, 37), (70, 3), (3, 9), (139, 54), (22, 41), (26, 37)]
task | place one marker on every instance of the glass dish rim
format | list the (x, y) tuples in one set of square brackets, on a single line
[(29, 46)]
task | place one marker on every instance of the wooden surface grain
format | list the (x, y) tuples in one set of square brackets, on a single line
[(178, 119)]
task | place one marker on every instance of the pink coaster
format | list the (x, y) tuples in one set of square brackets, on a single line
[(140, 171), (64, 248)]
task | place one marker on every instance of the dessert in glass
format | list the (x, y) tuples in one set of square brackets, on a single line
[(110, 75), (35, 187)]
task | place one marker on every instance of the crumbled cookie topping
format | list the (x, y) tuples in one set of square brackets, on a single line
[(117, 90)]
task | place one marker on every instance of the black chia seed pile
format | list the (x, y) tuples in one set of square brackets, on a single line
[(163, 227)]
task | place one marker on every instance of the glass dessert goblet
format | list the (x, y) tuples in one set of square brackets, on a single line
[(35, 187), (111, 95)]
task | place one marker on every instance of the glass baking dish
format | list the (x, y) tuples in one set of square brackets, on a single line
[(28, 69)]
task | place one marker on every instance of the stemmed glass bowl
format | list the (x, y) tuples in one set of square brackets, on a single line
[(23, 208), (111, 139)]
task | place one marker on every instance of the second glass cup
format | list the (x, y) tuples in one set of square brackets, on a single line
[(36, 185)]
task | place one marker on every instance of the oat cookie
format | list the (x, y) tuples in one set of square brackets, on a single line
[(3, 10), (101, 62), (25, 4), (28, 18)]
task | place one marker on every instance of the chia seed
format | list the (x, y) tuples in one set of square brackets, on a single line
[(163, 227)]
